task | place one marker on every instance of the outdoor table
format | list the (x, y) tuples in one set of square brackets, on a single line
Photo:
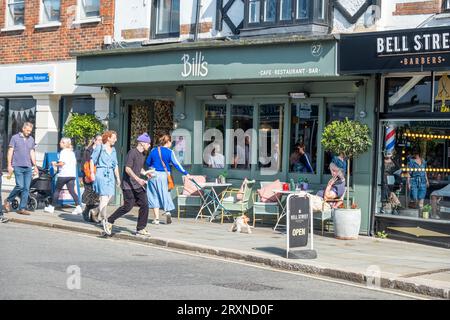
[(284, 195), (212, 190)]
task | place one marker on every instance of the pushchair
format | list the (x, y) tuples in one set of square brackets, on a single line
[(40, 191)]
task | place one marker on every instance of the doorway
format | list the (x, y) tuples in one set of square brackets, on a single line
[(152, 116)]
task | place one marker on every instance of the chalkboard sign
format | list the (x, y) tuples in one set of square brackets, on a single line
[(299, 224)]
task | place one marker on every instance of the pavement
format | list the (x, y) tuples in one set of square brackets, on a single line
[(387, 263)]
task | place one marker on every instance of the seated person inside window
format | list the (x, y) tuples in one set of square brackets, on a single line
[(300, 160), (216, 158), (436, 197), (334, 190)]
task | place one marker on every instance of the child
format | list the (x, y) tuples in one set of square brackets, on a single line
[(67, 174)]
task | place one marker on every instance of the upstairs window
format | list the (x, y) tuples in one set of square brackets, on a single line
[(285, 12), (166, 18), (16, 13), (89, 9), (446, 5), (51, 10)]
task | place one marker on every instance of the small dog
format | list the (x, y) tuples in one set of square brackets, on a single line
[(240, 224)]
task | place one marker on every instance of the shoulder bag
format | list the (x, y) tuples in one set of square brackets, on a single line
[(170, 182)]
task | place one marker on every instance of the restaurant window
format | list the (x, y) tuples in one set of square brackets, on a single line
[(441, 93), (303, 140), (166, 18), (414, 177), (20, 111), (337, 111), (89, 9), (214, 128), (408, 94), (270, 136), (241, 141), (16, 13), (51, 10)]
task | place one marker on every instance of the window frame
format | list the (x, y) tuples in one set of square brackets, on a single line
[(42, 14), (154, 34), (80, 11), (313, 14), (10, 16)]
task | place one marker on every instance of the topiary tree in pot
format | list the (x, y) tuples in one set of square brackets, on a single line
[(82, 127), (350, 138)]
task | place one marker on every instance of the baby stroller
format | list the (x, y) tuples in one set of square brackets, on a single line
[(40, 191)]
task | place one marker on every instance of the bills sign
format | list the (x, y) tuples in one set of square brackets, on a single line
[(410, 50)]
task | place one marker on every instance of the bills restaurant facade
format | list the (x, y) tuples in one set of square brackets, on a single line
[(285, 89), (411, 194)]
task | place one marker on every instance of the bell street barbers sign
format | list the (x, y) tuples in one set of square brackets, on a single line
[(395, 51)]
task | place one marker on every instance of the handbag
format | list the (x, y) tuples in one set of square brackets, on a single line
[(170, 183), (87, 168)]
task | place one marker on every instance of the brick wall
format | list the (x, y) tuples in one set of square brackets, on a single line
[(419, 7), (56, 43)]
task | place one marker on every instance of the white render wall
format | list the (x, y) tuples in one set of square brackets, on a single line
[(389, 21)]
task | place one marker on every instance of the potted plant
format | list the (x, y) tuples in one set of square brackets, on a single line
[(426, 211), (303, 183), (222, 177), (82, 127), (350, 138)]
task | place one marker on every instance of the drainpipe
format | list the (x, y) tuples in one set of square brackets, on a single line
[(197, 19), (375, 156)]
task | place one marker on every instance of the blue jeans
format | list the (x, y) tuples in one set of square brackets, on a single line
[(23, 182)]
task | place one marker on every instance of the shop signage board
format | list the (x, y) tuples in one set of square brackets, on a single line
[(299, 223), (218, 64), (410, 50), (27, 79)]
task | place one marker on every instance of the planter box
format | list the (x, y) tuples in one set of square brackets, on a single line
[(347, 223)]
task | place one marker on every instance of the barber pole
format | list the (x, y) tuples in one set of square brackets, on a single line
[(390, 139)]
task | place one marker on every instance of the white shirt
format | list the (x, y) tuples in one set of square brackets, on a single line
[(217, 161), (69, 169)]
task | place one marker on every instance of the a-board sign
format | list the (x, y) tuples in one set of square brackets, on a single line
[(298, 224)]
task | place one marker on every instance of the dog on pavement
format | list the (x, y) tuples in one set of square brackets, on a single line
[(240, 224)]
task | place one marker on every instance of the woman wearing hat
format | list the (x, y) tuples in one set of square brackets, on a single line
[(133, 187)]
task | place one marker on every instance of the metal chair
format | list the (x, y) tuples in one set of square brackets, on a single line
[(241, 206)]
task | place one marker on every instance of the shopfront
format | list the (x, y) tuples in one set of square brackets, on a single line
[(412, 172), (276, 94)]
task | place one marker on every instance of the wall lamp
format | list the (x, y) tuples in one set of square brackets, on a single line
[(179, 89), (299, 95), (222, 96), (359, 83), (114, 90)]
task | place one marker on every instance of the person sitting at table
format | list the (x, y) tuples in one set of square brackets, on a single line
[(334, 190), (216, 158), (300, 160), (436, 197)]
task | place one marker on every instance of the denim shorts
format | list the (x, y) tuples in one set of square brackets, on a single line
[(418, 188)]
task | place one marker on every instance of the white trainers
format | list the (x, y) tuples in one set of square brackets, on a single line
[(49, 209), (155, 221), (78, 210), (107, 227), (143, 232)]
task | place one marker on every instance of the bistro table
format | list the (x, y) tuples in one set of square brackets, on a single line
[(210, 198), (282, 202)]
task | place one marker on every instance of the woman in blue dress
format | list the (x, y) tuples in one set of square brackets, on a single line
[(107, 176), (417, 180), (158, 192)]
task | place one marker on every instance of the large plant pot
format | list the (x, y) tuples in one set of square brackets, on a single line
[(347, 223)]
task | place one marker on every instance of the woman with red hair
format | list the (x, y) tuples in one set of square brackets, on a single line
[(105, 160)]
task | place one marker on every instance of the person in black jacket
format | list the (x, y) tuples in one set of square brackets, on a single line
[(3, 219)]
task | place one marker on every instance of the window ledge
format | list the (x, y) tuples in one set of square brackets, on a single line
[(15, 28), (160, 41), (47, 25), (89, 20)]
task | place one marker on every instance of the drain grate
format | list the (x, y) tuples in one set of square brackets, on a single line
[(246, 286)]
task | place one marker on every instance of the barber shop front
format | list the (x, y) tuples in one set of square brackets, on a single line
[(277, 93), (412, 169)]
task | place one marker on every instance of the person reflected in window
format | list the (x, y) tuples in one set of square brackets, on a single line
[(242, 155), (300, 160), (417, 180), (391, 182), (216, 158)]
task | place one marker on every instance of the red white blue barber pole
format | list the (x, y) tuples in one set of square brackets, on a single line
[(390, 139)]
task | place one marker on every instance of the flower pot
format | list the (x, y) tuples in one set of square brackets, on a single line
[(347, 223)]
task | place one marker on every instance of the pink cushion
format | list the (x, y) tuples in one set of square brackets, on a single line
[(266, 193), (189, 188), (240, 194)]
